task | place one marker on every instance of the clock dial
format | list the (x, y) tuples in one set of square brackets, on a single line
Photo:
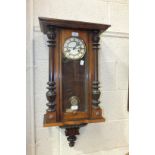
[(74, 48)]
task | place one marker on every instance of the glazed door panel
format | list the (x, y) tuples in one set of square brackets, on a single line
[(75, 85)]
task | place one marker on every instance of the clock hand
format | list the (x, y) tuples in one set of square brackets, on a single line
[(74, 47), (78, 48)]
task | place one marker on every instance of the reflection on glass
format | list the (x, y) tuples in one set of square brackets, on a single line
[(75, 84)]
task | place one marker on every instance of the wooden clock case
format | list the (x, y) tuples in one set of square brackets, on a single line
[(57, 32)]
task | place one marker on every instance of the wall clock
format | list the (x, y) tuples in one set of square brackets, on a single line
[(73, 86)]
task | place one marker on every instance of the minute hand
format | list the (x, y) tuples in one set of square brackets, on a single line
[(78, 48)]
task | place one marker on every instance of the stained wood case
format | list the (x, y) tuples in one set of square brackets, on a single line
[(73, 86)]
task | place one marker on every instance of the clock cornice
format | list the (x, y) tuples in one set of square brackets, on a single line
[(45, 22)]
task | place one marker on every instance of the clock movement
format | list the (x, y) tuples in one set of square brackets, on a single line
[(73, 86)]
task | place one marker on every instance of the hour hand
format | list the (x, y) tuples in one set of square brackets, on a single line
[(74, 47)]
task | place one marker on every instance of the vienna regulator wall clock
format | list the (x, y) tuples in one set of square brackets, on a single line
[(73, 86)]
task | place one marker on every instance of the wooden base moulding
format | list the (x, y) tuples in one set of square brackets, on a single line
[(77, 122), (96, 116)]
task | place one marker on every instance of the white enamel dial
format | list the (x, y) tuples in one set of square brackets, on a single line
[(74, 48)]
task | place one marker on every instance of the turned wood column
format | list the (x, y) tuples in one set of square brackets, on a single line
[(51, 94), (95, 85)]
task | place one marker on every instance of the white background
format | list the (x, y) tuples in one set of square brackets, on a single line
[(13, 82)]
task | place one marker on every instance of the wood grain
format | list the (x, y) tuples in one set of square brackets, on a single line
[(44, 22)]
